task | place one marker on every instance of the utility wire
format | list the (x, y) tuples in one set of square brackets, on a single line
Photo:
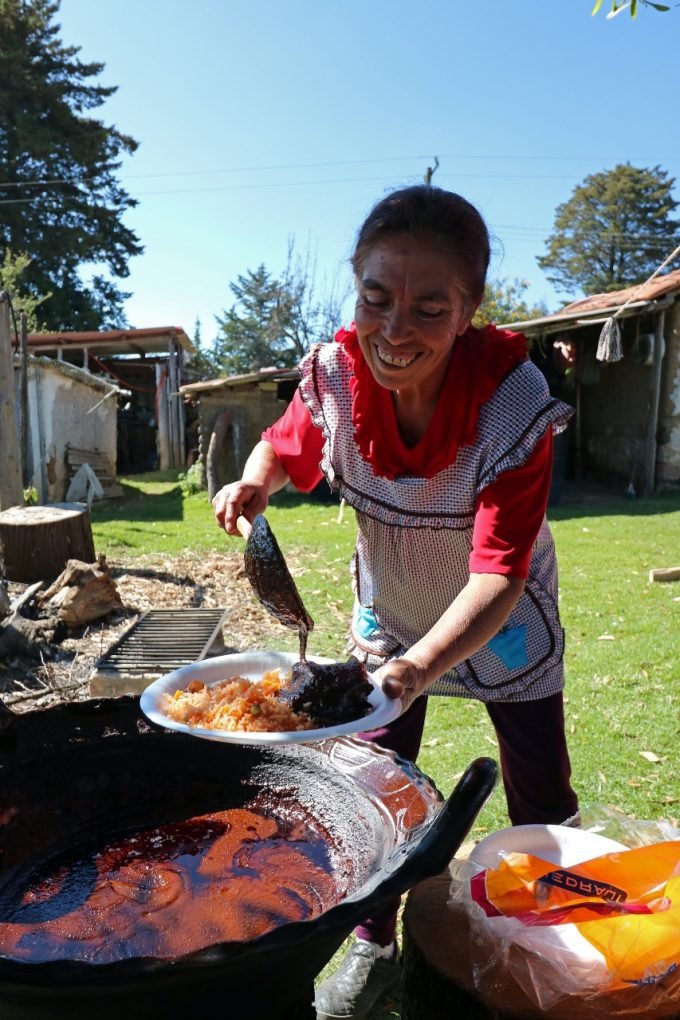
[(306, 184), (267, 167)]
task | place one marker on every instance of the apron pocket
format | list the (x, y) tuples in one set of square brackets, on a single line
[(530, 642)]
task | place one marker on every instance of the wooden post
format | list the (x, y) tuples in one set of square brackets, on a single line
[(162, 417), (181, 419), (26, 458), (11, 492), (649, 458), (173, 397)]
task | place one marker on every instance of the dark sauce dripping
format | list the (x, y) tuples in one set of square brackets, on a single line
[(227, 876)]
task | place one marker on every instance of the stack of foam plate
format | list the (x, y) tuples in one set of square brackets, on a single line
[(579, 963)]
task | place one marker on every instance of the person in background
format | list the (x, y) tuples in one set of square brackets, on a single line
[(440, 436)]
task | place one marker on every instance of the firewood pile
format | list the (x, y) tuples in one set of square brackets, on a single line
[(52, 636)]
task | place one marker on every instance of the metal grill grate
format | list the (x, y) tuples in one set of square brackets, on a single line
[(160, 641)]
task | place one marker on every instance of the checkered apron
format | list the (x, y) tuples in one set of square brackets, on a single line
[(415, 535)]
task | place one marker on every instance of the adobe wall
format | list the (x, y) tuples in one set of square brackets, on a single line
[(614, 402), (63, 410), (248, 410), (668, 436)]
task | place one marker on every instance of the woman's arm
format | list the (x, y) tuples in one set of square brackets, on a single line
[(478, 612), (263, 474)]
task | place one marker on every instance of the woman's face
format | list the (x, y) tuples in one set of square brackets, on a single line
[(409, 312)]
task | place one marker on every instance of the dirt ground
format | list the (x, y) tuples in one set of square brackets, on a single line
[(62, 671)]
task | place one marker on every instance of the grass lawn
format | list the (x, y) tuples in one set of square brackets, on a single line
[(623, 643)]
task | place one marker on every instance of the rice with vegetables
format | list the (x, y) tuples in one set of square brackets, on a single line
[(237, 704)]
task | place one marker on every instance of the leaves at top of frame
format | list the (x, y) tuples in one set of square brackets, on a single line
[(632, 5)]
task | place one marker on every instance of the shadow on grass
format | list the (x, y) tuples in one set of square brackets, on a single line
[(577, 502), (141, 506), (586, 502)]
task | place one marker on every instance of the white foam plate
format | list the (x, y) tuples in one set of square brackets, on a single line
[(252, 665), (562, 945), (559, 844)]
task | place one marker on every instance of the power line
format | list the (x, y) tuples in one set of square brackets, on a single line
[(252, 186), (223, 170), (328, 163)]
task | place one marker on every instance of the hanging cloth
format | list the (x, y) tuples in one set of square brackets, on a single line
[(609, 344)]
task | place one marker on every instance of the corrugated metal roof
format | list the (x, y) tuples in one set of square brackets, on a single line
[(263, 375), (152, 340), (73, 372)]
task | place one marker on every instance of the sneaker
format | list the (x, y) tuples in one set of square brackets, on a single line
[(360, 982)]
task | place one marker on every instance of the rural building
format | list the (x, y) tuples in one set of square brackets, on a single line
[(150, 366), (69, 411), (626, 429), (231, 414)]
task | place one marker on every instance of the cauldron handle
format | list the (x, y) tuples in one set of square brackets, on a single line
[(452, 823)]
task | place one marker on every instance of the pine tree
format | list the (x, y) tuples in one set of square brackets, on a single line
[(201, 365), (248, 337), (273, 321), (62, 205), (614, 231)]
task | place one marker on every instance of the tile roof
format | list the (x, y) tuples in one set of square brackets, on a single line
[(659, 286), (587, 308)]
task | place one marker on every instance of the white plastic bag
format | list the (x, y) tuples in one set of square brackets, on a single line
[(84, 487)]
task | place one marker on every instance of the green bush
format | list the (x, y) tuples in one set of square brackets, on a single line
[(191, 481)]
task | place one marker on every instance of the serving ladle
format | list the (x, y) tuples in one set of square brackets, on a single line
[(271, 580)]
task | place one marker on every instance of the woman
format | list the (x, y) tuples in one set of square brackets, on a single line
[(440, 436)]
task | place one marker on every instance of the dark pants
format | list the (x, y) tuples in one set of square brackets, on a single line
[(534, 764)]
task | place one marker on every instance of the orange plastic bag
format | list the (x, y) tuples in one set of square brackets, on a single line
[(625, 904), (571, 924)]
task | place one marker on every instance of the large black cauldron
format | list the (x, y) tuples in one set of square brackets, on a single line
[(77, 773)]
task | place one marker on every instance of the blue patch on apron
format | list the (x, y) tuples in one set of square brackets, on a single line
[(510, 646), (365, 623)]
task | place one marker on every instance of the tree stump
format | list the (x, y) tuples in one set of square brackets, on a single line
[(437, 966), (438, 978), (37, 541)]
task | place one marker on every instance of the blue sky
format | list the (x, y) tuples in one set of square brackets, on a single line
[(263, 121)]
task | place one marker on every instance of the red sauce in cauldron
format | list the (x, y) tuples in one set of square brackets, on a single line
[(227, 876)]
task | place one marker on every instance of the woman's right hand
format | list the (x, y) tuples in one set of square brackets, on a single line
[(237, 499)]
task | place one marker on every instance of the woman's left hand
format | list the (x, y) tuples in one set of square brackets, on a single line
[(402, 678)]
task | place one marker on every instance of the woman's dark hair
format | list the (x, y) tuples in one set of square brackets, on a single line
[(453, 223)]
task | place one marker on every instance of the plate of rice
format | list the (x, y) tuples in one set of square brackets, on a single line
[(233, 698)]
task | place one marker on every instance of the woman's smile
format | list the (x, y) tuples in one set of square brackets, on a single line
[(393, 359)]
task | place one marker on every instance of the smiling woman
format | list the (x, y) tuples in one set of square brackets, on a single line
[(409, 313), (440, 436)]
